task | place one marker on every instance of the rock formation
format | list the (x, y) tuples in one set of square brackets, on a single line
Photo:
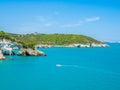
[(1, 56), (7, 52), (30, 52)]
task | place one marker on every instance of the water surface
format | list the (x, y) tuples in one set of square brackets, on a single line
[(81, 69)]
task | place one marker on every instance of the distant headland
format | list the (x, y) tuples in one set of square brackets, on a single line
[(28, 43)]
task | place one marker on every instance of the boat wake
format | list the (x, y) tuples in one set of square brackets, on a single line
[(60, 65), (90, 69)]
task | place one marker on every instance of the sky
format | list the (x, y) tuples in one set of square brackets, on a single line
[(99, 19)]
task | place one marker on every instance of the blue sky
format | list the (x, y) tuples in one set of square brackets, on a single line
[(97, 18)]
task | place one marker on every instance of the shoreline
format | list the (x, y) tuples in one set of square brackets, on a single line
[(93, 45)]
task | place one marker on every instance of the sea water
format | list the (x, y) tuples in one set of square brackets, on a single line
[(63, 69)]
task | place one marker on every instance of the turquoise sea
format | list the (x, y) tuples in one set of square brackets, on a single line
[(81, 69)]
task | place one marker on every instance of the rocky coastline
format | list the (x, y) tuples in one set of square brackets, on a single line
[(93, 45), (8, 48), (8, 43), (22, 52)]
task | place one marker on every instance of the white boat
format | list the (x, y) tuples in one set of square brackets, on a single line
[(58, 65)]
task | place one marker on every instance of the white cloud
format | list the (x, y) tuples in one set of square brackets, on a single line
[(72, 25), (93, 19), (43, 23), (35, 26)]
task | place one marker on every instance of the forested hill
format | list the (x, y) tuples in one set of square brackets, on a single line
[(53, 39)]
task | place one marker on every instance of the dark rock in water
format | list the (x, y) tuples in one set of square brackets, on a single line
[(8, 53), (1, 56), (30, 52)]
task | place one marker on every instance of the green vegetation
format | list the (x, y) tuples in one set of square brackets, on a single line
[(30, 40), (54, 39), (7, 36)]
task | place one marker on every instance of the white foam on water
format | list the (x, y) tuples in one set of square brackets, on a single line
[(89, 68), (60, 65)]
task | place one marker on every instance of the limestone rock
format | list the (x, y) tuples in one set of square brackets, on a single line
[(1, 56), (6, 52), (30, 52)]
